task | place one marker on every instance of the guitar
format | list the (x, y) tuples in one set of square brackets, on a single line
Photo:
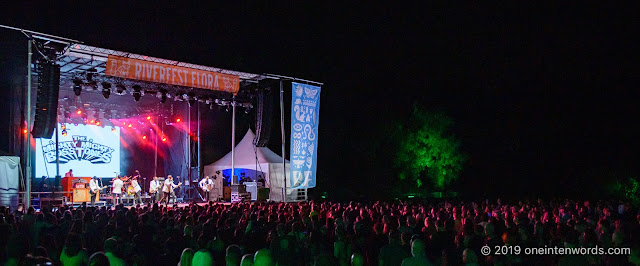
[(153, 190), (94, 191), (172, 187)]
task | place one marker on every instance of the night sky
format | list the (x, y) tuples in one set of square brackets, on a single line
[(544, 98)]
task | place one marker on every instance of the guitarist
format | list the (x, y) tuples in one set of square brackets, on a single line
[(206, 184), (94, 188), (154, 188), (167, 190)]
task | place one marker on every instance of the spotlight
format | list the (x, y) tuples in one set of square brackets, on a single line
[(64, 133), (92, 121), (130, 125), (79, 112), (106, 89), (24, 131), (75, 124), (148, 117), (137, 92), (63, 127), (120, 89), (77, 86), (164, 139), (97, 123), (144, 137), (113, 129), (178, 120)]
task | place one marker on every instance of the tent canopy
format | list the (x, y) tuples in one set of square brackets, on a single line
[(246, 154), (267, 161)]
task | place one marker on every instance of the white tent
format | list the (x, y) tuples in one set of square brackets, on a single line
[(268, 162)]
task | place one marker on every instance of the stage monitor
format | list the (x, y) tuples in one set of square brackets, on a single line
[(87, 149)]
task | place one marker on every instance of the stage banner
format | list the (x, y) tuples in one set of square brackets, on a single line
[(130, 68), (305, 104)]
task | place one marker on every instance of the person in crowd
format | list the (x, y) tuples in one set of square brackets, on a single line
[(299, 233), (73, 252), (186, 258)]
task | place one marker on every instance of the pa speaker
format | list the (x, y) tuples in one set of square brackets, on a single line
[(264, 116), (47, 101)]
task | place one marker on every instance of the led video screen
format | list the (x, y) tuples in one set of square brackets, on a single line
[(87, 149)]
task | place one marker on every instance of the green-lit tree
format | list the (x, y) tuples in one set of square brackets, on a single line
[(428, 152)]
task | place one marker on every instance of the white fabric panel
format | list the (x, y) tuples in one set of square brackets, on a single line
[(9, 180)]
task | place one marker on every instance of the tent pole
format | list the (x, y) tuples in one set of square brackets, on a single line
[(233, 142), (284, 165)]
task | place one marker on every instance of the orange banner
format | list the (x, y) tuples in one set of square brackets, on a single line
[(130, 68)]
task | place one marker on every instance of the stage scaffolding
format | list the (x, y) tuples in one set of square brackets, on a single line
[(77, 59)]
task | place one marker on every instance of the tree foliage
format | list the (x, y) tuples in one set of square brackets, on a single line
[(427, 152)]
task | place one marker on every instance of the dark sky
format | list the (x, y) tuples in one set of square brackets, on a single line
[(538, 93)]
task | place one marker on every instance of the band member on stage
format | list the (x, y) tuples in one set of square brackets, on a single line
[(118, 184), (154, 188), (136, 190), (206, 184), (94, 187), (167, 190)]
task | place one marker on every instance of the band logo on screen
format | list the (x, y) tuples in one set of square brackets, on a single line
[(79, 149)]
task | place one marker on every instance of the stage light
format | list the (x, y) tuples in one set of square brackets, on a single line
[(137, 93), (178, 120), (97, 123), (106, 89), (120, 89), (64, 133), (92, 121), (148, 117), (77, 86), (75, 124), (79, 112), (130, 125), (63, 127), (164, 139), (24, 131), (144, 137), (113, 129)]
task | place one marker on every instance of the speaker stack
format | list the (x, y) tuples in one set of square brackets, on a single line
[(263, 116), (47, 101)]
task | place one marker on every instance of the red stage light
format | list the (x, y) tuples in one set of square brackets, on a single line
[(164, 139), (178, 120), (24, 131), (92, 121), (148, 117), (130, 125), (79, 112), (98, 123), (144, 137)]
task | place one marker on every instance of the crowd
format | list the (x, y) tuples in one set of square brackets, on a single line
[(319, 233)]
